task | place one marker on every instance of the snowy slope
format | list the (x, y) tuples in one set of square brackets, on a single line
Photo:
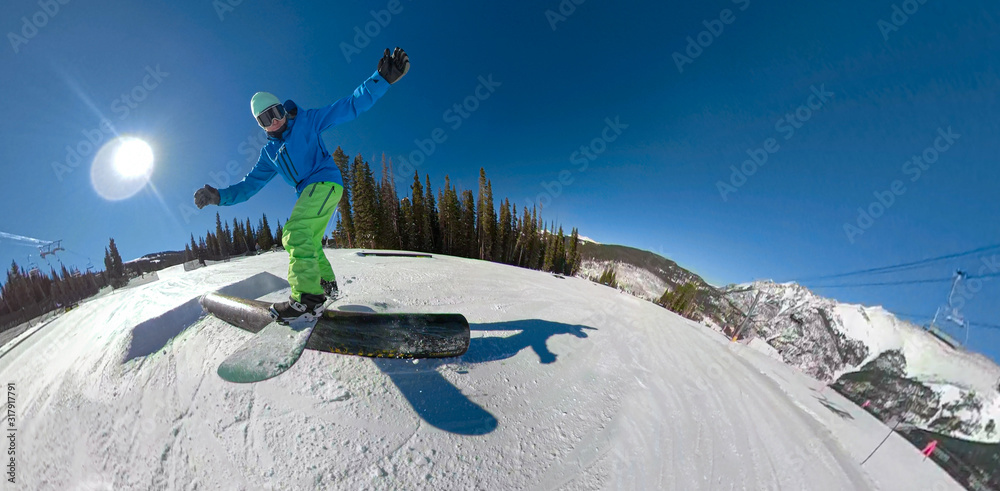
[(631, 279), (566, 385), (828, 339)]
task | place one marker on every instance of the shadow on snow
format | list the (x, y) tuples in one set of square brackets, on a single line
[(154, 334), (443, 405), (432, 397)]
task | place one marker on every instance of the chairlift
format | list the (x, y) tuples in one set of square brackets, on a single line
[(33, 270), (950, 312), (50, 248)]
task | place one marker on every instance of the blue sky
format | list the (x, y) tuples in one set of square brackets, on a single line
[(843, 95)]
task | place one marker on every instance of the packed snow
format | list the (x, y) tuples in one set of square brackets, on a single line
[(566, 385)]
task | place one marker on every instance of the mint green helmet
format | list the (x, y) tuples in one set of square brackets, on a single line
[(261, 101)]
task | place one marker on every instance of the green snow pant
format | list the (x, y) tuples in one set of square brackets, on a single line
[(303, 238)]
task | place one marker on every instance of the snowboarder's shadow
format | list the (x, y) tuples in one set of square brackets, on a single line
[(534, 334), (444, 406)]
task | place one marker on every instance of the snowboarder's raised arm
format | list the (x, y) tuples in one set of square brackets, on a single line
[(261, 174), (391, 68)]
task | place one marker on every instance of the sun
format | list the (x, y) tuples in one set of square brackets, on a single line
[(134, 158), (122, 167)]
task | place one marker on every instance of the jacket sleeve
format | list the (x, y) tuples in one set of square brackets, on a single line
[(261, 174), (350, 107)]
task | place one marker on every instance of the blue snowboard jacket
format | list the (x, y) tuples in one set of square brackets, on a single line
[(299, 155)]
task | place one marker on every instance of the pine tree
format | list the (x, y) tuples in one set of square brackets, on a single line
[(451, 232), (549, 257), (195, 250), (573, 257), (407, 233), (680, 300), (250, 236), (504, 233), (279, 236), (239, 238), (559, 260), (524, 241), (487, 220), (12, 288), (345, 226), (433, 216), (609, 277), (389, 209), (467, 223), (366, 209), (213, 246), (221, 237), (114, 267), (265, 239), (419, 220), (534, 259)]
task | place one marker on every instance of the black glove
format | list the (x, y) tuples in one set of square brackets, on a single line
[(393, 66), (206, 196)]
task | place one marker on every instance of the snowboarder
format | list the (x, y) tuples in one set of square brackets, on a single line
[(295, 150)]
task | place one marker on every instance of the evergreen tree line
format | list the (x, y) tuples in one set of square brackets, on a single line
[(453, 222), (372, 216), (240, 240), (28, 294), (681, 300)]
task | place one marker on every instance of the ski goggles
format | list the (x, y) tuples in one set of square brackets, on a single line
[(267, 117)]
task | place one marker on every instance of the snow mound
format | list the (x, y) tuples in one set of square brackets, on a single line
[(566, 385)]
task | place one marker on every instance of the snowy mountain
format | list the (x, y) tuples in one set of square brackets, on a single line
[(648, 275), (868, 353), (566, 385), (840, 344)]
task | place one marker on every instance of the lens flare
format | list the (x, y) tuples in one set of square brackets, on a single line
[(121, 168)]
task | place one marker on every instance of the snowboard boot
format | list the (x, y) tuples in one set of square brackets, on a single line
[(310, 308), (330, 288)]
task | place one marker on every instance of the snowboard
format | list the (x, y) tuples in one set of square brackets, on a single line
[(382, 335), (268, 354)]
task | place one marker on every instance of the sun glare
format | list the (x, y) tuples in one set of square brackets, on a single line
[(134, 158), (122, 167)]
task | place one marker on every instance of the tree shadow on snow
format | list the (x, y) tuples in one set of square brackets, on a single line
[(444, 406)]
